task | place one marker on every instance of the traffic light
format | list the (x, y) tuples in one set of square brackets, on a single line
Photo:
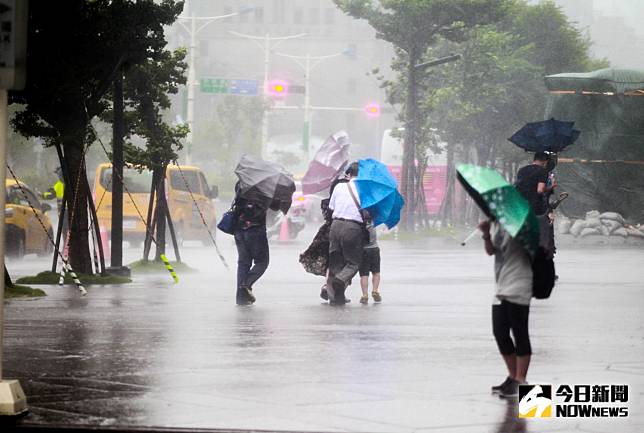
[(372, 110), (278, 88)]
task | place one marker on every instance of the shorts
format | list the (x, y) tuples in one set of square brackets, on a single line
[(370, 262)]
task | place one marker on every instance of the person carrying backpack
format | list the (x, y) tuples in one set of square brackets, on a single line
[(511, 304)]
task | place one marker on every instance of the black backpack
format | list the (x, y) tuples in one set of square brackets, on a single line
[(543, 275)]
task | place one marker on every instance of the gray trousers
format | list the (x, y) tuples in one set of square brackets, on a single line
[(345, 256)]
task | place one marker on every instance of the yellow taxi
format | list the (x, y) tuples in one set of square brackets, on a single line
[(24, 234), (185, 215)]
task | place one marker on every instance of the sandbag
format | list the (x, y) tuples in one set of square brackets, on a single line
[(594, 223), (592, 214), (614, 216), (589, 231), (604, 230), (577, 227), (564, 226), (611, 225), (632, 231), (620, 232)]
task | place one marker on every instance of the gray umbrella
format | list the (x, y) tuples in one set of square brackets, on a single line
[(265, 182)]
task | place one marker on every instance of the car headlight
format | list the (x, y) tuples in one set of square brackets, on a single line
[(8, 212)]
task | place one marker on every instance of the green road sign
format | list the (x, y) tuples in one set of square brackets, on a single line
[(214, 85)]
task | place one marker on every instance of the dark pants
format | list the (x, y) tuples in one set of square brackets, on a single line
[(345, 256), (253, 256), (508, 317)]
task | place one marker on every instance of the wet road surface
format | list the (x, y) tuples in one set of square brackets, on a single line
[(154, 353)]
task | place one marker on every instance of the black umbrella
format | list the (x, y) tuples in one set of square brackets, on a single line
[(547, 136), (265, 182)]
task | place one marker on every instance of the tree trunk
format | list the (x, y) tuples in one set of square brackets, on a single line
[(117, 174), (160, 215), (79, 254), (409, 149)]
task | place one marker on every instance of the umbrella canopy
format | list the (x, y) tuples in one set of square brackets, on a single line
[(547, 136), (265, 182), (501, 201), (328, 163), (378, 191)]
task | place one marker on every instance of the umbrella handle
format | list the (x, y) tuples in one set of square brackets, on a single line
[(469, 237)]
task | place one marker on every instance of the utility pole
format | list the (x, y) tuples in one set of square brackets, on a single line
[(193, 30), (307, 63), (265, 44)]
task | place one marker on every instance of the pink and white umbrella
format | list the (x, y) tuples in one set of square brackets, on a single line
[(329, 161)]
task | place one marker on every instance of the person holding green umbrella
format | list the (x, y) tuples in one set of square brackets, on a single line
[(511, 235)]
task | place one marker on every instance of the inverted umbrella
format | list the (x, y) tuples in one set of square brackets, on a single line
[(265, 182), (378, 191), (546, 136), (328, 162), (501, 201)]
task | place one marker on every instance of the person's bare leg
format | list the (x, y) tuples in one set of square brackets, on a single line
[(511, 364), (375, 281), (522, 364), (364, 285)]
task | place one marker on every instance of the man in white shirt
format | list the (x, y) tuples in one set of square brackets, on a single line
[(345, 237)]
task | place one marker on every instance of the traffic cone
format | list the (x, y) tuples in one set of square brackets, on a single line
[(105, 242), (284, 237)]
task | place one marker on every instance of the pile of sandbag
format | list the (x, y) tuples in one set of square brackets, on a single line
[(600, 224)]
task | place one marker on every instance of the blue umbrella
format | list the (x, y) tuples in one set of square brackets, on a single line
[(378, 191), (547, 136)]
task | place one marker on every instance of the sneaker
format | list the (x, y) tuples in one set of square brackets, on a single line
[(249, 294), (497, 389), (324, 294), (376, 296), (336, 303), (364, 300), (510, 390)]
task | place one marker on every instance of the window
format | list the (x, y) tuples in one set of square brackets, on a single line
[(134, 181), (204, 183), (329, 16), (298, 16), (191, 178), (259, 15), (278, 11), (314, 16)]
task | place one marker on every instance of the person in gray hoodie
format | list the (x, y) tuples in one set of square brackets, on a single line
[(511, 304)]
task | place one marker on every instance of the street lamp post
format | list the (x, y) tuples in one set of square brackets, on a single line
[(265, 44), (193, 30), (307, 63)]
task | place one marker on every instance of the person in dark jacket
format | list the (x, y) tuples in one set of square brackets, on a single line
[(252, 246)]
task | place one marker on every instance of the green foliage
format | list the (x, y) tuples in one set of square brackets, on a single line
[(147, 87), (48, 277), (235, 128), (18, 291)]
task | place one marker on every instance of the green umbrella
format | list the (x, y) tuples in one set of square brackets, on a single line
[(501, 201)]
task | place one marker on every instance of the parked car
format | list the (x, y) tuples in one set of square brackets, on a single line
[(185, 216), (24, 233)]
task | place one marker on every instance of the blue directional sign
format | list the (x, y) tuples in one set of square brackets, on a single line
[(243, 87)]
